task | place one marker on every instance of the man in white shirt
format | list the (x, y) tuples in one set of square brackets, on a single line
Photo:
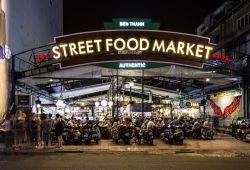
[(150, 125)]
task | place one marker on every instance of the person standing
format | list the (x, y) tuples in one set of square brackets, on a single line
[(35, 127), (9, 135), (19, 124), (59, 125), (46, 128)]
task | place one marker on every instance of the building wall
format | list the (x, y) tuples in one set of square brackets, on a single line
[(32, 23), (26, 24), (231, 33), (3, 65)]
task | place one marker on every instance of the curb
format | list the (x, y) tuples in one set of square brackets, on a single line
[(235, 153)]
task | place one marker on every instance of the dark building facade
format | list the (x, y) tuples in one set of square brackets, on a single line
[(229, 28)]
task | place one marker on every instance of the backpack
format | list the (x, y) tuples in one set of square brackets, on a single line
[(33, 124), (59, 125)]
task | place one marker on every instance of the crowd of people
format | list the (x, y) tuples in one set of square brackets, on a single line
[(35, 130)]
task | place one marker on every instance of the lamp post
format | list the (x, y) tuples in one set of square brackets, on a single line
[(38, 104), (131, 84)]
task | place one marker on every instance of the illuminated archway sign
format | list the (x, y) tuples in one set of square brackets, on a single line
[(133, 48)]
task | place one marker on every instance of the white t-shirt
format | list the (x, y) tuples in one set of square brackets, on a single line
[(150, 125)]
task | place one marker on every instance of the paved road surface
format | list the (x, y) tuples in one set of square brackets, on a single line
[(122, 161)]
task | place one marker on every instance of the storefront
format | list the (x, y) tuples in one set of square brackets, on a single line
[(130, 70)]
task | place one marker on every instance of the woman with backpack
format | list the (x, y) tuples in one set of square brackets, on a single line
[(59, 126), (35, 127), (19, 125)]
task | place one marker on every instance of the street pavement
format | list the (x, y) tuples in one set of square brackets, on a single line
[(222, 145), (121, 161)]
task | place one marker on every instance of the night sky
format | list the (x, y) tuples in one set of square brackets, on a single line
[(174, 15)]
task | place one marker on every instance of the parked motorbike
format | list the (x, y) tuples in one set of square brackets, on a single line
[(138, 135), (71, 136), (208, 133), (187, 130), (89, 135), (165, 136), (95, 135), (243, 130), (173, 135), (197, 132), (148, 137), (126, 136), (115, 136), (178, 136)]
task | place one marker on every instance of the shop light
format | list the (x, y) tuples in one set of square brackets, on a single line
[(97, 104), (131, 84), (60, 103), (110, 103), (207, 79), (38, 103), (51, 80), (104, 103)]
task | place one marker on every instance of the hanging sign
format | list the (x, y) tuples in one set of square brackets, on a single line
[(133, 45)]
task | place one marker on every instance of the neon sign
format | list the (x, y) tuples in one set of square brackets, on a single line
[(221, 56), (92, 46), (132, 46), (131, 24), (132, 65), (42, 57)]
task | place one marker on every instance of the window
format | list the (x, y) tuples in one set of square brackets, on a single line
[(242, 23), (246, 19), (249, 18), (238, 24)]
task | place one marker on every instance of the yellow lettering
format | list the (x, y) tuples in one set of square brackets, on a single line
[(189, 49), (64, 49), (159, 47), (55, 51), (98, 44), (171, 47), (122, 42), (72, 48), (108, 44), (129, 44), (89, 46), (180, 47), (144, 41), (81, 46), (208, 49), (199, 50)]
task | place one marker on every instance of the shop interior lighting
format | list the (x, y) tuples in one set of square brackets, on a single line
[(104, 103), (207, 79), (110, 103), (38, 103), (97, 104), (131, 84)]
